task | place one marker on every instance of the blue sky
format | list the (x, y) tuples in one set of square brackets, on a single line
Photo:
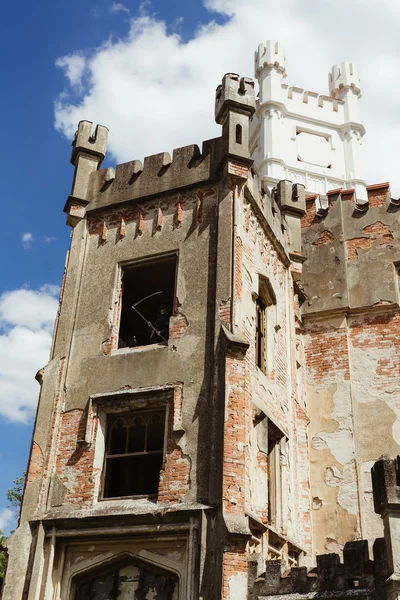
[(147, 71)]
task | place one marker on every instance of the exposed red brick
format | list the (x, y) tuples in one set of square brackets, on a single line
[(36, 463), (199, 211), (141, 223), (122, 228), (360, 243), (104, 233), (308, 218), (224, 312), (234, 562), (160, 219), (178, 325), (326, 237), (379, 229), (179, 213)]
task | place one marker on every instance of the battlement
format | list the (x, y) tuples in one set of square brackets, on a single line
[(86, 143), (312, 101), (157, 175), (357, 576), (270, 54), (234, 93), (347, 244), (344, 76)]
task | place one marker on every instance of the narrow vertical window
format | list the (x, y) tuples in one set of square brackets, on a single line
[(260, 333), (265, 322), (274, 475), (238, 134)]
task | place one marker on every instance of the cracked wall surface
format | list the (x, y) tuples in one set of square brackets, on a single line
[(352, 343)]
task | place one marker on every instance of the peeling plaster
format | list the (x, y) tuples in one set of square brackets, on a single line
[(237, 586)]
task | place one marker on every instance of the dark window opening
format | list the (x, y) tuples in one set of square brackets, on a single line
[(274, 474), (134, 454), (238, 134), (148, 291), (128, 579), (260, 333)]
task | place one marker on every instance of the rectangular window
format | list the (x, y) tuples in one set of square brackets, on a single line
[(274, 475), (134, 453), (148, 293), (265, 301)]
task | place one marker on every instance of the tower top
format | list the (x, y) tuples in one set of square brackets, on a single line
[(344, 76), (270, 54), (234, 93), (86, 143)]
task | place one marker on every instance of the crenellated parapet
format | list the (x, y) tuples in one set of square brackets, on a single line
[(343, 77), (346, 245), (157, 175), (270, 55), (356, 577), (160, 174)]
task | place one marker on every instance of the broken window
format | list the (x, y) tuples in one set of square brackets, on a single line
[(274, 474), (265, 300), (127, 580), (148, 292), (134, 453)]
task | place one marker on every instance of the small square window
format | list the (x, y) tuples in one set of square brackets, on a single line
[(134, 453), (148, 293)]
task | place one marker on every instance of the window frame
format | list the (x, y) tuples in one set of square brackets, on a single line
[(132, 264), (260, 333), (265, 300), (113, 416), (115, 565), (275, 480)]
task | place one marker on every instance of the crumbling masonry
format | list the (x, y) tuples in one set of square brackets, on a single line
[(225, 366)]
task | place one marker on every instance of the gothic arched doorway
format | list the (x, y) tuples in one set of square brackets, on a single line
[(126, 580)]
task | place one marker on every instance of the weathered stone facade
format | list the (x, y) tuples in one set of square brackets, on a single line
[(176, 451)]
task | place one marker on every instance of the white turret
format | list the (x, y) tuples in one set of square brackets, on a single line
[(303, 136), (270, 69)]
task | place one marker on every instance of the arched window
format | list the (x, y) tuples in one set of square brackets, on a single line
[(126, 579), (238, 134)]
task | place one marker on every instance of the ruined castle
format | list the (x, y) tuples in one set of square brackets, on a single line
[(225, 366)]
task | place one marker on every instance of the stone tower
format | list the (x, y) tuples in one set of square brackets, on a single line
[(225, 366), (305, 137)]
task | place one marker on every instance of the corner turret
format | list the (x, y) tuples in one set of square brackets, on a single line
[(270, 69), (88, 153), (234, 105), (344, 84), (342, 78)]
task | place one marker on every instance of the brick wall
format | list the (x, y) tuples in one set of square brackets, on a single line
[(75, 462), (276, 389)]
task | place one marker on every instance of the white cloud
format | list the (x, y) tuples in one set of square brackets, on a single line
[(26, 324), (74, 67), (48, 239), (118, 7), (27, 240), (6, 518), (155, 92)]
